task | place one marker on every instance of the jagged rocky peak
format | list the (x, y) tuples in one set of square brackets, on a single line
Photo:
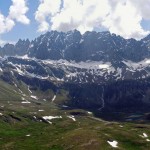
[(72, 45), (146, 42), (75, 34), (22, 46), (7, 50), (22, 42), (146, 39)]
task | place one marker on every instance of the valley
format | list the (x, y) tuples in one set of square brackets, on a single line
[(66, 91), (29, 120)]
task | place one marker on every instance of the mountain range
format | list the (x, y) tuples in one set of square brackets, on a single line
[(100, 71), (96, 46)]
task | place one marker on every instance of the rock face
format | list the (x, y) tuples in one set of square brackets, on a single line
[(20, 48), (101, 71), (101, 46), (90, 46)]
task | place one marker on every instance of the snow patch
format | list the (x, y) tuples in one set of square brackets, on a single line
[(53, 99), (25, 57), (72, 117), (133, 66), (34, 117), (145, 135), (1, 70), (49, 118), (81, 41), (103, 66), (23, 98), (20, 91), (29, 89), (28, 135), (113, 143), (64, 106), (147, 61), (34, 97), (19, 71), (25, 102), (90, 113)]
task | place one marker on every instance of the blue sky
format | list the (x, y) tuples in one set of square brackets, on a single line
[(20, 30), (146, 24), (51, 16)]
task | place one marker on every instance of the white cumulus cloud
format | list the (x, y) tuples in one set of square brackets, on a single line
[(6, 24), (46, 10), (17, 13), (122, 17), (18, 10), (125, 19)]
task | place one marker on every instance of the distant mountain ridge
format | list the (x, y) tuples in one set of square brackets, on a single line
[(96, 46)]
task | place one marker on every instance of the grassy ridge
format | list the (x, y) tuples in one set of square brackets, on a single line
[(85, 133), (22, 126)]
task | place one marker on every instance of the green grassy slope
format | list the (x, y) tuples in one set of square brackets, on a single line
[(23, 128)]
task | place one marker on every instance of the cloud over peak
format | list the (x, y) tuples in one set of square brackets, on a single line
[(121, 17), (46, 10)]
